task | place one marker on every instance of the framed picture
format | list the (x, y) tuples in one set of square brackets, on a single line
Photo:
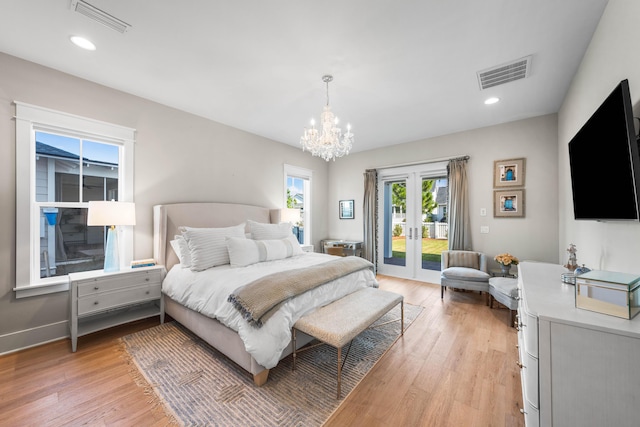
[(508, 173), (508, 203), (346, 209)]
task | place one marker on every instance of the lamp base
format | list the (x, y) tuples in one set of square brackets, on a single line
[(111, 255)]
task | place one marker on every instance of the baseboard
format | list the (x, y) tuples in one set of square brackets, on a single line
[(20, 340)]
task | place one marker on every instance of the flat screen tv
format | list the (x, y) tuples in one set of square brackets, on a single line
[(605, 162)]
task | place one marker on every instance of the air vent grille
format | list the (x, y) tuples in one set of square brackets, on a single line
[(515, 70), (98, 15)]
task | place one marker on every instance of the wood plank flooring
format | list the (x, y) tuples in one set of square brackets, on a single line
[(455, 366)]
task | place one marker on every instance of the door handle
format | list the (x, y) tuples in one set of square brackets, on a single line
[(410, 233)]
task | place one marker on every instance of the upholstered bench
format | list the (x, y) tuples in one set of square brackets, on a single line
[(341, 321), (505, 291)]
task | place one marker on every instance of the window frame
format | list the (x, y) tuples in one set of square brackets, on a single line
[(29, 119), (306, 175)]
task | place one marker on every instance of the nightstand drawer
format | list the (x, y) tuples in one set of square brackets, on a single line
[(119, 281), (108, 300)]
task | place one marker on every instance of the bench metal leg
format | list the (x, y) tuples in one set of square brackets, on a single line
[(339, 370), (293, 342)]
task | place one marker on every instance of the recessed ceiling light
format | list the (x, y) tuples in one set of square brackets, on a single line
[(491, 101), (82, 42)]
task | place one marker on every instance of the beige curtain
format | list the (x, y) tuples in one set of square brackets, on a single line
[(370, 208), (458, 214)]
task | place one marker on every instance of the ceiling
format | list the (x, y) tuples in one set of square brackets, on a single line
[(403, 70)]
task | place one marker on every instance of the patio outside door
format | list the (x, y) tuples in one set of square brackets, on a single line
[(412, 228)]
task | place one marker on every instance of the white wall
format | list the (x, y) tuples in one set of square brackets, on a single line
[(178, 157), (533, 237), (611, 57)]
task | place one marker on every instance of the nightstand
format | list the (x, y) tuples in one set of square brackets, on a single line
[(101, 300)]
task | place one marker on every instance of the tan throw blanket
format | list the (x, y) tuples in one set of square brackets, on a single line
[(258, 300)]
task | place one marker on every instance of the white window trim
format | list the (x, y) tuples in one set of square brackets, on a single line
[(306, 174), (30, 118)]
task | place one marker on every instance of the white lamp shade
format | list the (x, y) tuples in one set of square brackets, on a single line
[(111, 213), (290, 215)]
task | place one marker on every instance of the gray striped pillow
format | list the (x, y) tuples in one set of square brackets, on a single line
[(207, 246), (243, 252)]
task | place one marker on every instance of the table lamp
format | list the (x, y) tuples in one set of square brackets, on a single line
[(110, 214), (290, 215)]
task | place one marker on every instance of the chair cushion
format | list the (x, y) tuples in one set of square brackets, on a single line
[(464, 259), (464, 273), (505, 286)]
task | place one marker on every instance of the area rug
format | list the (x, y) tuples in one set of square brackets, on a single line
[(200, 386)]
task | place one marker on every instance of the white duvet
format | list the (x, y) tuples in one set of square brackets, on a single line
[(207, 291)]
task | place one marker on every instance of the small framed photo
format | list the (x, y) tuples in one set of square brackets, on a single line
[(508, 203), (346, 209), (508, 173)]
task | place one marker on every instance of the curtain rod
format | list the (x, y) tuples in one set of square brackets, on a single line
[(441, 159)]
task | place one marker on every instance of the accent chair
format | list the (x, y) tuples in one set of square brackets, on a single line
[(464, 270)]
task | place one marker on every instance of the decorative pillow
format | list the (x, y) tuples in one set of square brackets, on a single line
[(261, 231), (181, 248), (207, 246), (464, 259), (243, 252)]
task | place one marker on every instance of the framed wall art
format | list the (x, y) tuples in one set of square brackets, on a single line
[(508, 203), (346, 209), (508, 173)]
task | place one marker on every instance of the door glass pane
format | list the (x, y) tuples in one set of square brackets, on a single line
[(395, 208), (435, 229)]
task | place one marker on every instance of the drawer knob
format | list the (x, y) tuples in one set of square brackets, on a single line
[(523, 412), (148, 292), (146, 279), (95, 303), (95, 288), (520, 365)]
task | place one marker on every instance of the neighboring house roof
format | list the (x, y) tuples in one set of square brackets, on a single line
[(47, 150), (441, 196)]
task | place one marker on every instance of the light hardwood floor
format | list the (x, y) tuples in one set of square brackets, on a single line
[(455, 366)]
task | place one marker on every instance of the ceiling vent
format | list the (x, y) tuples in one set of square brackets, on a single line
[(515, 70), (98, 15)]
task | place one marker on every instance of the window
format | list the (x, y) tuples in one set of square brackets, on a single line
[(63, 162), (298, 195)]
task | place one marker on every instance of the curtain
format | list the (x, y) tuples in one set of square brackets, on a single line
[(370, 208), (459, 231)]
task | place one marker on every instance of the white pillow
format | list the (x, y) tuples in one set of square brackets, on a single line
[(207, 246), (261, 231), (243, 252), (181, 248)]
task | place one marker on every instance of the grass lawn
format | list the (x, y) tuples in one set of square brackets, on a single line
[(431, 248)]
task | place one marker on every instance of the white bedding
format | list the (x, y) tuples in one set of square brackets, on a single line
[(207, 291)]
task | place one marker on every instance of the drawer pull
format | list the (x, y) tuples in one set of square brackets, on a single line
[(520, 365), (96, 303), (523, 412), (147, 292), (95, 288), (146, 279)]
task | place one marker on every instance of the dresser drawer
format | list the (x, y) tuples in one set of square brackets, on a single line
[(528, 324), (108, 300), (530, 377), (117, 281), (531, 415)]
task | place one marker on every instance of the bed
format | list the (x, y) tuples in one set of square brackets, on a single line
[(227, 335)]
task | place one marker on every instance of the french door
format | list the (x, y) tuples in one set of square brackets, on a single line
[(412, 221)]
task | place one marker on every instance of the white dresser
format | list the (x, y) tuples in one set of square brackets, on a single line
[(100, 300), (578, 368)]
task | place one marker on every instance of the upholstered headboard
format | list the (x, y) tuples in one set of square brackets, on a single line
[(167, 219)]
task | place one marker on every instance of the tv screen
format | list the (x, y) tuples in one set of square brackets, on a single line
[(605, 163)]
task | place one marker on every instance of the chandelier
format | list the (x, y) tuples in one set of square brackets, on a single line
[(330, 143)]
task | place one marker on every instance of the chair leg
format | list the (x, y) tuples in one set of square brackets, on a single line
[(442, 292), (490, 301)]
